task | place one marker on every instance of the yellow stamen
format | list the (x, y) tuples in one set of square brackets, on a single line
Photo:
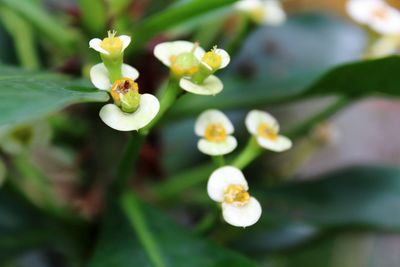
[(111, 43), (265, 131), (236, 195), (215, 132), (212, 59), (121, 87)]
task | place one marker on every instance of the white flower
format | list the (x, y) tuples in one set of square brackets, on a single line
[(114, 117), (168, 51), (212, 85), (216, 130), (268, 12), (100, 77), (228, 186), (111, 45), (377, 14), (266, 128), (215, 59)]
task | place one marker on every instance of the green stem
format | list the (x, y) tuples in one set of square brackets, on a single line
[(219, 160), (167, 100), (131, 206), (249, 154)]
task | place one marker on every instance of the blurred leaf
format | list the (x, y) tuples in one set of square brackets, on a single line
[(119, 244), (94, 15), (360, 78), (174, 16), (42, 20), (363, 197), (25, 96), (271, 69)]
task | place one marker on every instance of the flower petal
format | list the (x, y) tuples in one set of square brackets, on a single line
[(225, 58), (96, 45), (99, 77), (129, 72), (274, 13), (242, 216), (114, 117), (211, 86), (389, 24), (126, 40), (384, 46), (248, 5), (217, 148), (362, 10), (221, 178), (282, 143), (255, 117), (164, 51), (212, 116)]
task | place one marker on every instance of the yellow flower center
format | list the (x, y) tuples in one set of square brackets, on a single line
[(265, 131), (236, 195), (215, 132), (112, 44), (258, 14), (125, 93), (212, 59)]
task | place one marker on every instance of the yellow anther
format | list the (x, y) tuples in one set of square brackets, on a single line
[(236, 195), (121, 87), (212, 59), (265, 131), (215, 132), (112, 44)]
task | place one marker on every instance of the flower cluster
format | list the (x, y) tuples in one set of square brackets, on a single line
[(194, 67), (130, 110), (381, 18), (227, 184), (267, 12)]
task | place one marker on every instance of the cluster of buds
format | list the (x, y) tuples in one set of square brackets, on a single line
[(130, 110), (227, 185), (194, 67), (382, 19)]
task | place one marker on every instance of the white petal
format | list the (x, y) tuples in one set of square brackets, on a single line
[(274, 13), (221, 178), (280, 144), (126, 40), (255, 117), (114, 117), (212, 116), (96, 45), (211, 86), (217, 148), (224, 56), (390, 24), (362, 10), (164, 51), (129, 72), (99, 77), (248, 5), (242, 216), (385, 46)]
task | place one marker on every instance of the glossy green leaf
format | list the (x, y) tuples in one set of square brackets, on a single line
[(171, 245), (362, 197), (25, 96)]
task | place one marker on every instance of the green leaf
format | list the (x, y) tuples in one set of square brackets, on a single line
[(362, 197), (94, 16), (25, 96), (171, 245), (270, 69), (173, 16), (361, 78)]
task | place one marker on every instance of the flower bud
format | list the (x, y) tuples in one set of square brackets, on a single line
[(125, 93)]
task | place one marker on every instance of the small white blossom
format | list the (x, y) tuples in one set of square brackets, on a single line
[(216, 130), (266, 128), (114, 117), (111, 45), (168, 51), (99, 75), (228, 186), (215, 59), (377, 14), (268, 12)]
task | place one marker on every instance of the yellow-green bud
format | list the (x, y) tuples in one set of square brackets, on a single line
[(125, 93)]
